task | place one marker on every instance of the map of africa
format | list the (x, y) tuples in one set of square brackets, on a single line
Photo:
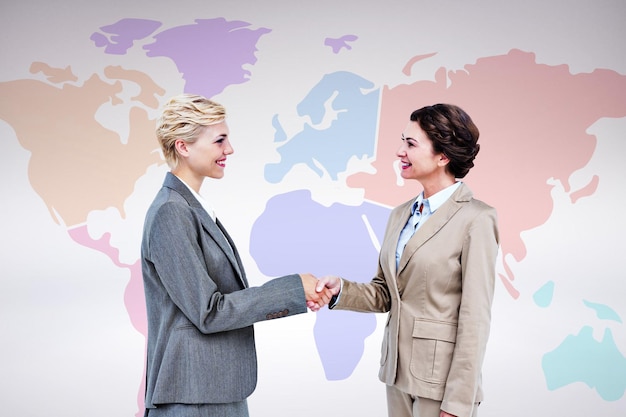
[(80, 164)]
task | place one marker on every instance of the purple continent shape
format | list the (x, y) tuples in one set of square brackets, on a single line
[(210, 54), (338, 43), (294, 233), (123, 34)]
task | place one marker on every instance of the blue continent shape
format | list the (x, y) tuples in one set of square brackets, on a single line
[(603, 312), (294, 233), (581, 358), (352, 131), (543, 296)]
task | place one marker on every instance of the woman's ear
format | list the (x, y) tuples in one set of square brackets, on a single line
[(443, 159), (181, 147)]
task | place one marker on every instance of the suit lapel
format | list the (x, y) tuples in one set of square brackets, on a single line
[(213, 228), (396, 224), (218, 233), (434, 224), (231, 253)]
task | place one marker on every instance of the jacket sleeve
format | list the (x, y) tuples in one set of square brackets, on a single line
[(190, 271), (478, 259), (372, 297)]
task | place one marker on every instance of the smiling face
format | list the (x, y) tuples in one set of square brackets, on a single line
[(418, 160), (205, 157)]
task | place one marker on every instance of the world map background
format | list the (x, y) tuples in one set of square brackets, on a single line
[(317, 96)]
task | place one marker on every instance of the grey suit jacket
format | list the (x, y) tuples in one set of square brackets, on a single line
[(439, 301), (200, 307)]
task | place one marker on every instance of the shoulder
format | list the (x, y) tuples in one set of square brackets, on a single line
[(465, 196), (477, 212), (168, 199), (482, 220), (481, 207), (478, 216), (169, 211)]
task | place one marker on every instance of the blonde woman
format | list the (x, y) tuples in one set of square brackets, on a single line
[(201, 358)]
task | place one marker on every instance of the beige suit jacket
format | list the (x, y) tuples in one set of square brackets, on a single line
[(439, 301)]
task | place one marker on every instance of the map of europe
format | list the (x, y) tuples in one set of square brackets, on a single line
[(524, 111)]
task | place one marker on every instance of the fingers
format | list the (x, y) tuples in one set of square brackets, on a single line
[(324, 296), (309, 283), (313, 306), (318, 293), (331, 283)]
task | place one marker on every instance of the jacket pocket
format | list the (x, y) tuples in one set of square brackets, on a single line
[(432, 350)]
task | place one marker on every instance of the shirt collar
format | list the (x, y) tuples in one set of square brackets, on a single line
[(205, 204), (435, 201)]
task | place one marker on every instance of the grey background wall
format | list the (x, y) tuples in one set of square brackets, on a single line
[(317, 94)]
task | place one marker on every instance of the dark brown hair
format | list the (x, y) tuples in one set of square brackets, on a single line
[(452, 132)]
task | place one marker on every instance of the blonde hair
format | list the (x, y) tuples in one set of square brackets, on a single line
[(183, 117)]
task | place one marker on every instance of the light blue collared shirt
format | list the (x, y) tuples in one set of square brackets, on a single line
[(417, 219)]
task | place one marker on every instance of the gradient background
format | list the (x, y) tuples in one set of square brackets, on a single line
[(70, 345)]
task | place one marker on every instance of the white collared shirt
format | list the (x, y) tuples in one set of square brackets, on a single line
[(205, 204)]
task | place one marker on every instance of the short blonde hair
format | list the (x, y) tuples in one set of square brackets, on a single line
[(183, 117)]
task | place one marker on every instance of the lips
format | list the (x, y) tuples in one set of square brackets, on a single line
[(404, 165), (221, 162)]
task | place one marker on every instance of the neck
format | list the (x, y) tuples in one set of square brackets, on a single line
[(187, 176), (433, 187)]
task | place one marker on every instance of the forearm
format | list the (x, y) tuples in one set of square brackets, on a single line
[(372, 297), (277, 298)]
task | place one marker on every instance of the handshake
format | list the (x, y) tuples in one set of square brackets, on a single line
[(319, 292)]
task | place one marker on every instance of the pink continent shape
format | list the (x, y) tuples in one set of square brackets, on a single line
[(134, 298), (533, 120)]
